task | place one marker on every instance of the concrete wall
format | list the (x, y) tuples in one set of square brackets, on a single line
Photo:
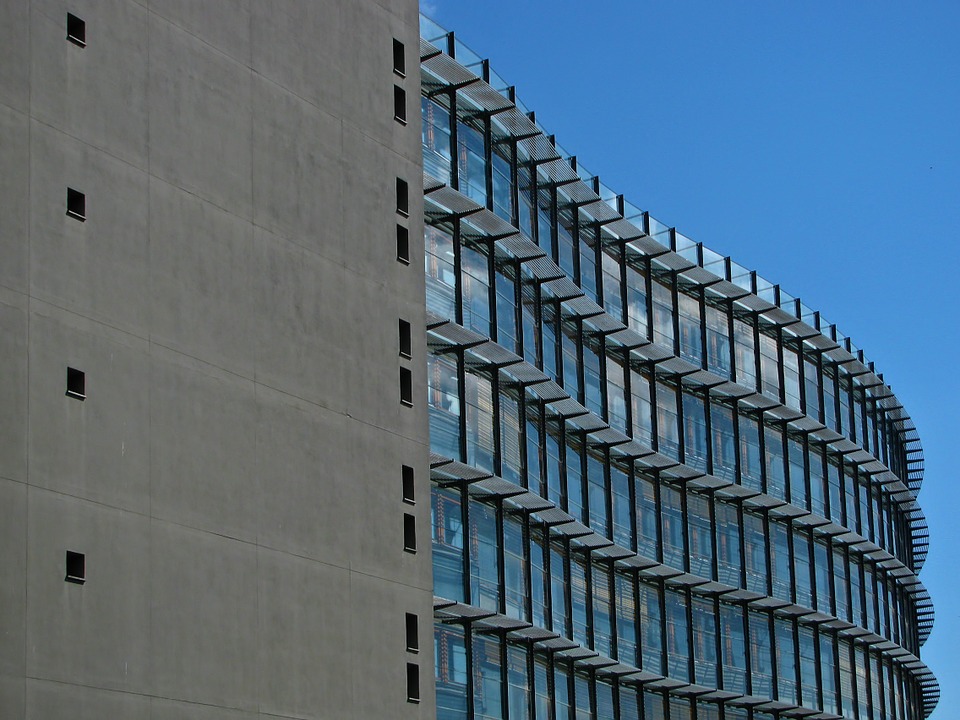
[(233, 476)]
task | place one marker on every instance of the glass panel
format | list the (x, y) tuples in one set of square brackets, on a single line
[(518, 682), (588, 258), (578, 599), (611, 268), (699, 535), (479, 421), (443, 402), (761, 663), (802, 583), (539, 580), (488, 684), (471, 163), (650, 632), (678, 651), (636, 300), (808, 667), (663, 311), (667, 419), (791, 378), (565, 241), (593, 395), (475, 277), (439, 269), (728, 544), (616, 396), (724, 459), (828, 674), (755, 552), (641, 408), (562, 689), (510, 439), (602, 627), (525, 208), (450, 669), (622, 507), (694, 432), (626, 620), (507, 308), (734, 647), (484, 570), (704, 642), (811, 381), (597, 494), (543, 702), (769, 366), (502, 187), (780, 561), (688, 312), (446, 516), (574, 496), (773, 452), (514, 569), (671, 517), (743, 341), (436, 140), (718, 341), (646, 517), (532, 455), (751, 472), (558, 591), (798, 481), (786, 661)]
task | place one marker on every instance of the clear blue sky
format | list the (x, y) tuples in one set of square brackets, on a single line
[(816, 142)]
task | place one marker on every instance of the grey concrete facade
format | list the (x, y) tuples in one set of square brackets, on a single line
[(233, 476)]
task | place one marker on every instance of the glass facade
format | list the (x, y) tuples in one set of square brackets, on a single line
[(650, 478)]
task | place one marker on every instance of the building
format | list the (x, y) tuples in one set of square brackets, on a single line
[(655, 485), (662, 486), (200, 303)]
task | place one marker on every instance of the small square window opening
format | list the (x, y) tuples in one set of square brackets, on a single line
[(399, 61), (408, 485), (76, 383), (406, 386), (409, 533), (399, 105), (403, 245), (406, 339), (76, 568), (413, 682), (76, 204), (76, 30), (403, 197), (413, 633)]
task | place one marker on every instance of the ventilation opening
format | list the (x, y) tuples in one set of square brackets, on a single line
[(403, 245), (406, 387), (413, 682), (406, 339), (76, 30), (76, 568), (399, 60), (399, 105), (409, 533), (403, 197), (76, 204), (76, 383), (408, 491), (413, 633)]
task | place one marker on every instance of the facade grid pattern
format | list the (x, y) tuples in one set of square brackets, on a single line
[(655, 493)]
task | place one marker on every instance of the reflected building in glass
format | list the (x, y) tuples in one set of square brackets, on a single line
[(661, 486)]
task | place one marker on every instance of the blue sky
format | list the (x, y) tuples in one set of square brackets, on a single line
[(818, 143)]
